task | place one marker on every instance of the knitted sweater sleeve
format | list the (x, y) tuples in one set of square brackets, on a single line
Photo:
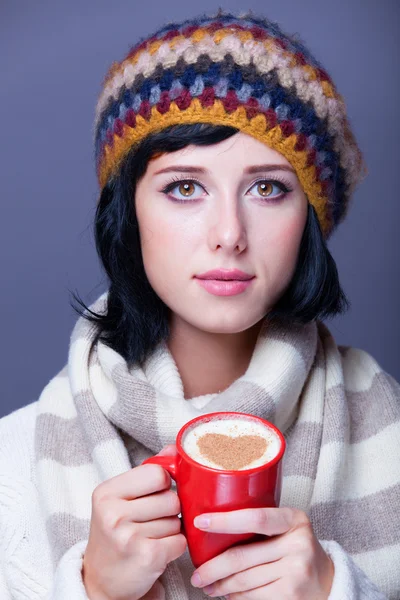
[(67, 581), (349, 581), (4, 592), (26, 569)]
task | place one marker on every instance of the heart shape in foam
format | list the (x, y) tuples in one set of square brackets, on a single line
[(231, 453)]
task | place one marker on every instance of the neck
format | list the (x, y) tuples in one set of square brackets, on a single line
[(208, 363)]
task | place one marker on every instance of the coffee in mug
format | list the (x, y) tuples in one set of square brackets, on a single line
[(231, 444)]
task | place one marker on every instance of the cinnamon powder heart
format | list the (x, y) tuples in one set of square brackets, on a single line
[(231, 453)]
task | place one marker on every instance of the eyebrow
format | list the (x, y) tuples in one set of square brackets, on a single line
[(247, 171)]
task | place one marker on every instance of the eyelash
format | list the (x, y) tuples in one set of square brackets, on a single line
[(284, 185)]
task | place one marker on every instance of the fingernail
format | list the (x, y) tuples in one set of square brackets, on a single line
[(202, 522), (209, 589), (196, 580)]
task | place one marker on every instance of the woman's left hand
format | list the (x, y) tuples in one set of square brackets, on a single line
[(292, 564)]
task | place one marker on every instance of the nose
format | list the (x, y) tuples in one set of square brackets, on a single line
[(227, 230)]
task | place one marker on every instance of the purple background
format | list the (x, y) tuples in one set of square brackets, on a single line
[(53, 57)]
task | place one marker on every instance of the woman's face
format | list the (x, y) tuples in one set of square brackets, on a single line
[(220, 207)]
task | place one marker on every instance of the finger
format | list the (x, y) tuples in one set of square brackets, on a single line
[(160, 528), (266, 521), (154, 506), (236, 559), (137, 482), (173, 547), (246, 580)]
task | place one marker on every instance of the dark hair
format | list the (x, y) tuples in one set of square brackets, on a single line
[(137, 319)]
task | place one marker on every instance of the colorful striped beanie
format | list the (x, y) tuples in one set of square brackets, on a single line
[(242, 71)]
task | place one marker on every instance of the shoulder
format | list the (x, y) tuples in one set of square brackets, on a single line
[(17, 429), (373, 397), (362, 371), (17, 433)]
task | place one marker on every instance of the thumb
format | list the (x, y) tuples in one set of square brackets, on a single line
[(169, 450)]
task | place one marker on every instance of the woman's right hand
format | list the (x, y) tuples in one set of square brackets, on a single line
[(134, 534)]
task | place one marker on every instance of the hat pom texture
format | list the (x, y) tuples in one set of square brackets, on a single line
[(242, 71)]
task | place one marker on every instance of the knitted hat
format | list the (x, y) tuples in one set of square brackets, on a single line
[(242, 71)]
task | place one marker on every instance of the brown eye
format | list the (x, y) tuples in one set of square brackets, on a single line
[(265, 188), (186, 188)]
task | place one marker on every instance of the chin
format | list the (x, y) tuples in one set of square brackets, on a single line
[(226, 325)]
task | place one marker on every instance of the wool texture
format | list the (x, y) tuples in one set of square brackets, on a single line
[(338, 410), (245, 72)]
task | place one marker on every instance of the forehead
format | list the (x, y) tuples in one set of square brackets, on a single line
[(240, 150)]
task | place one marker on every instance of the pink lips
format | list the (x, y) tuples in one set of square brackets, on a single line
[(225, 282)]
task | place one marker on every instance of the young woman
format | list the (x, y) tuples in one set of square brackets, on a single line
[(225, 161)]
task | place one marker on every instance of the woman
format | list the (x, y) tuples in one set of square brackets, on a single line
[(221, 145)]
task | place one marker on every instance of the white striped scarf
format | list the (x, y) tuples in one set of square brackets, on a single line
[(338, 409)]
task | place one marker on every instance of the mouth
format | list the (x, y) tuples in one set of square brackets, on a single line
[(225, 275), (225, 287)]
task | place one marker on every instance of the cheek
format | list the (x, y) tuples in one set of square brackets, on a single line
[(282, 243), (166, 245), (166, 235), (289, 236)]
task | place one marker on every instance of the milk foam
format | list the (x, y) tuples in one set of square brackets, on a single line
[(232, 428)]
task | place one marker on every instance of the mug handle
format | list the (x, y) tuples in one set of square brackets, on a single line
[(169, 463)]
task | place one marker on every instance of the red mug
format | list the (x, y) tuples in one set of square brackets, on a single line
[(203, 489)]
